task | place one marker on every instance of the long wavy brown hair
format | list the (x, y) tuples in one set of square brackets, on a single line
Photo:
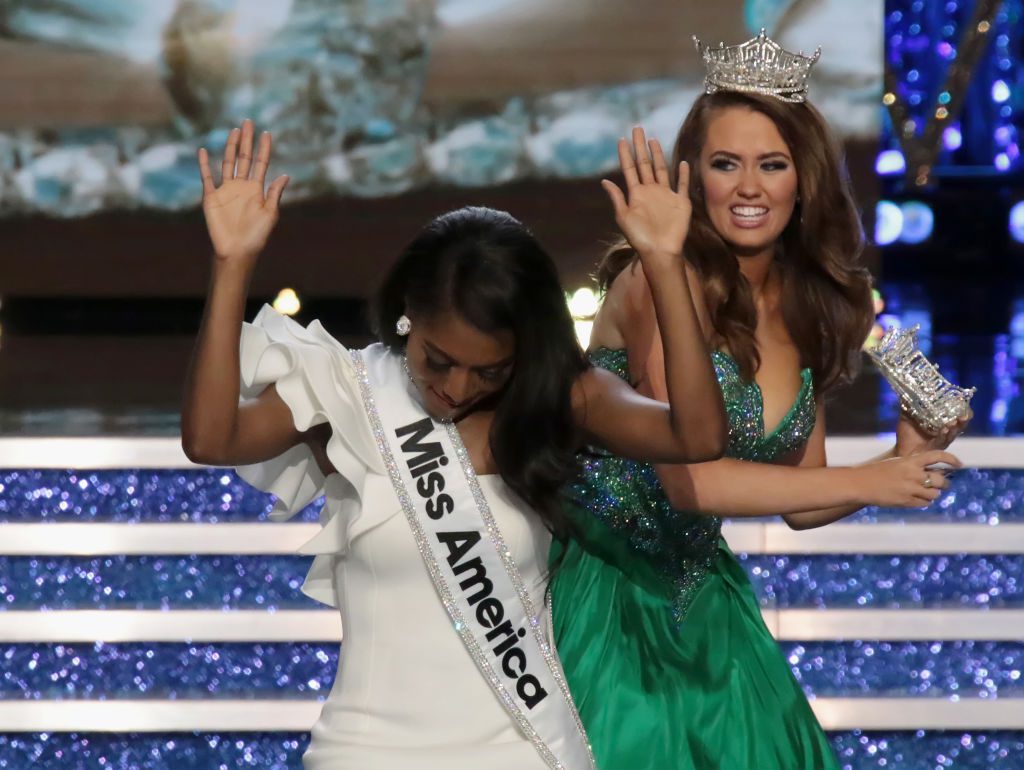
[(826, 291)]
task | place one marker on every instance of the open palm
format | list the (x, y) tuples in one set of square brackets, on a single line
[(654, 218), (240, 215)]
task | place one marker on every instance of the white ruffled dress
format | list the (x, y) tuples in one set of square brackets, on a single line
[(407, 693)]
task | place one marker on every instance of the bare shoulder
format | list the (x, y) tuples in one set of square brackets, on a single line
[(626, 297), (633, 290), (634, 293)]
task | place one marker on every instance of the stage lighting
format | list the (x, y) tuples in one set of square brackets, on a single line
[(877, 331), (287, 302), (918, 222), (1000, 91), (583, 306), (583, 303), (1017, 320), (1017, 222), (952, 138), (1017, 330), (583, 330), (888, 223), (890, 162)]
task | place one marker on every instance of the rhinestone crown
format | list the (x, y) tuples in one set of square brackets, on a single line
[(759, 66), (932, 401)]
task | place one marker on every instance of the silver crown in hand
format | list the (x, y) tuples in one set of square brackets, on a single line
[(928, 398)]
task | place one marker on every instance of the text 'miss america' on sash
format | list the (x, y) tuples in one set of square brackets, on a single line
[(427, 462)]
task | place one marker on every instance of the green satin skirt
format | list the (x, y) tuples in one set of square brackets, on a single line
[(712, 694)]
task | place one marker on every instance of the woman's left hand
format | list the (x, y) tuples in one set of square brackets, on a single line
[(653, 217), (911, 439)]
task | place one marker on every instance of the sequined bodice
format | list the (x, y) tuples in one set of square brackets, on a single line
[(626, 497)]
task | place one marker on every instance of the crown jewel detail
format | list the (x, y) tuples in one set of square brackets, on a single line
[(759, 66), (932, 401)]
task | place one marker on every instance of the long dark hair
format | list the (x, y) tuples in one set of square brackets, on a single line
[(826, 291), (487, 267)]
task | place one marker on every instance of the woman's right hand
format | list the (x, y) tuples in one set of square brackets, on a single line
[(654, 218), (240, 215), (906, 482)]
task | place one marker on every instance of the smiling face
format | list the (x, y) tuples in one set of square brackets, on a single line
[(750, 180), (456, 366)]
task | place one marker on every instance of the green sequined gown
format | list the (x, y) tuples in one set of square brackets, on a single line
[(657, 625)]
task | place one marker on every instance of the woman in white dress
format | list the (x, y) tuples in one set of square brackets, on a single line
[(440, 452)]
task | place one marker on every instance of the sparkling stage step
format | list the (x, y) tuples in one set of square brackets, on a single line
[(894, 621)]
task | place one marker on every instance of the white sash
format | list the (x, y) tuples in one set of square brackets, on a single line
[(472, 568)]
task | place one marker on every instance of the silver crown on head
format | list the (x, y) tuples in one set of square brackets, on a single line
[(932, 401), (759, 66)]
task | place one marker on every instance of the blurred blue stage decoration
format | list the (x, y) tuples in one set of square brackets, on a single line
[(954, 82), (340, 84)]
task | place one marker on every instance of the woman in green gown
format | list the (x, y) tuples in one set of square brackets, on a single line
[(657, 625)]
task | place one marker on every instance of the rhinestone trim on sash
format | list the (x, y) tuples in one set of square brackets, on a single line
[(445, 593)]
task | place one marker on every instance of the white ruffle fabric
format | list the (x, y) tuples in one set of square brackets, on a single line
[(314, 376)]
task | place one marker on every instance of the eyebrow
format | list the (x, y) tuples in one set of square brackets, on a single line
[(763, 156), (451, 359)]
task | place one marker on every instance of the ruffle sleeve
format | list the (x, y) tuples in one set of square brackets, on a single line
[(315, 377)]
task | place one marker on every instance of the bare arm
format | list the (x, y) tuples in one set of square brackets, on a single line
[(910, 440), (814, 456), (215, 428), (808, 494), (691, 426)]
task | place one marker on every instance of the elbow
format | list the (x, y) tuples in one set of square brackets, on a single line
[(798, 523), (704, 446), (195, 451), (720, 435), (200, 451), (717, 443), (206, 440)]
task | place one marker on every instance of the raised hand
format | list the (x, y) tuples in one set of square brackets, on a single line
[(239, 213), (654, 218)]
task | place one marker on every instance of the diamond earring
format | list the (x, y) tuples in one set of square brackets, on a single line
[(403, 326)]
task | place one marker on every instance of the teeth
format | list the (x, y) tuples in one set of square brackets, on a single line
[(749, 211)]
